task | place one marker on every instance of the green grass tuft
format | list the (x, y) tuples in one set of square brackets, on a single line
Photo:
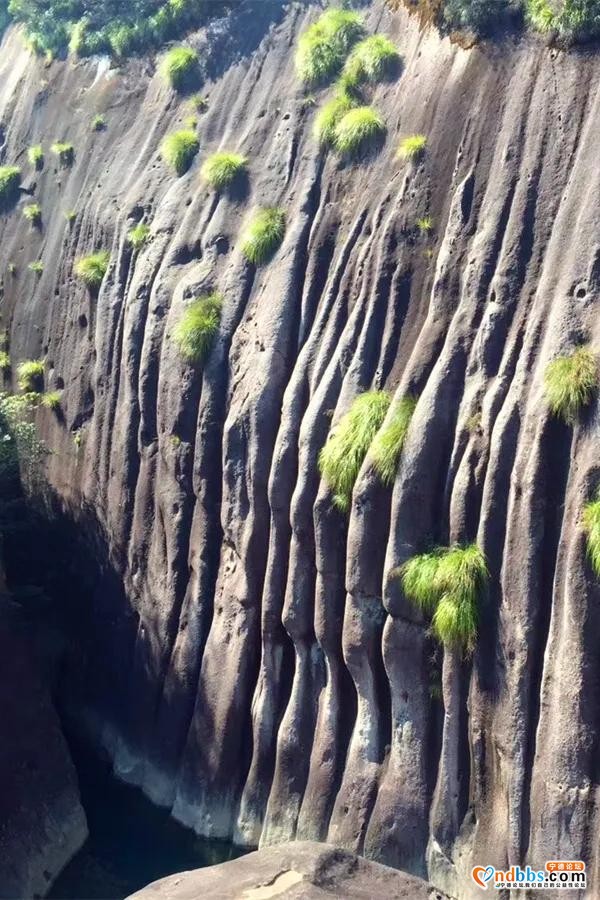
[(263, 235), (324, 46), (425, 225), (348, 443), (179, 149), (180, 68), (36, 266), (10, 181), (571, 383), (448, 583), (33, 214), (30, 375), (358, 130), (330, 115), (138, 235), (35, 155), (373, 59), (65, 153), (4, 361), (222, 169), (92, 269), (51, 400), (198, 327), (412, 147), (387, 445), (199, 103), (98, 123), (591, 527)]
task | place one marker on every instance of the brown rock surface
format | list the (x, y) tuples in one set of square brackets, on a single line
[(249, 662), (301, 869)]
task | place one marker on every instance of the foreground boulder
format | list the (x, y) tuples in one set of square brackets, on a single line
[(42, 822), (299, 869)]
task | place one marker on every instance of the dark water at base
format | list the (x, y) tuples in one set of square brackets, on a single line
[(131, 842)]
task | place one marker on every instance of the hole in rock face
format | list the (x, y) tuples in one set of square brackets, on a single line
[(581, 292), (82, 321)]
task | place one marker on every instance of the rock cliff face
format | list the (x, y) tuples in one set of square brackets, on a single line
[(248, 660)]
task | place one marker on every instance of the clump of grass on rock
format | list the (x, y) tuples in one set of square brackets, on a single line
[(92, 269), (358, 130), (138, 235), (571, 383), (324, 46), (179, 149), (10, 181), (221, 170), (330, 115), (388, 443), (30, 375), (263, 235), (33, 214), (4, 361), (180, 68), (372, 60), (198, 327), (412, 147), (51, 400), (448, 582), (35, 155), (591, 526), (37, 266), (65, 153), (348, 443)]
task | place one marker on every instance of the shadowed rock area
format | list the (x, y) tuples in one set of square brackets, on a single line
[(300, 869), (244, 655), (42, 823)]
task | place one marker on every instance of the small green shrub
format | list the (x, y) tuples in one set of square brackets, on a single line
[(30, 375), (572, 20), (412, 147), (387, 445), (180, 68), (70, 216), (198, 327), (51, 400), (425, 225), (98, 123), (138, 235), (10, 182), (33, 214), (329, 116), (65, 154), (263, 235), (591, 527), (324, 46), (12, 269), (373, 59), (179, 149), (358, 130), (191, 122), (36, 266), (478, 16), (92, 269), (571, 383), (348, 443), (222, 169), (199, 103), (448, 582), (35, 155), (4, 361)]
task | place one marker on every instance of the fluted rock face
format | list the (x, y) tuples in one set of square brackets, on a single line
[(250, 662)]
